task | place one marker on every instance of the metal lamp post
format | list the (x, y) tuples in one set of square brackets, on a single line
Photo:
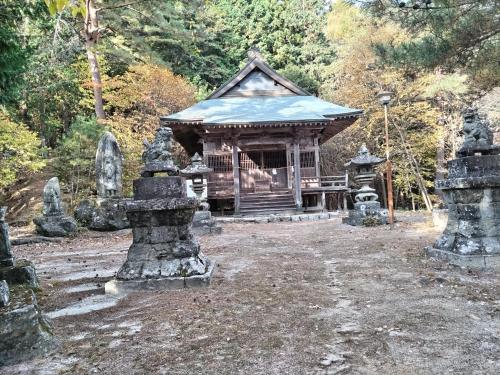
[(384, 98)]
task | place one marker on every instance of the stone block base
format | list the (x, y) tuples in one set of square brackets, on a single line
[(203, 223), (371, 218), (106, 215), (470, 261), (55, 226), (22, 272), (24, 331), (118, 287)]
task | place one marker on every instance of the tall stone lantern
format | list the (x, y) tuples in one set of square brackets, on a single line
[(197, 171), (367, 209), (164, 253)]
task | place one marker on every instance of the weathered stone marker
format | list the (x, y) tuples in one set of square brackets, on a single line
[(164, 253), (105, 213), (24, 330), (367, 209), (472, 193), (54, 222), (108, 167), (6, 258), (197, 171)]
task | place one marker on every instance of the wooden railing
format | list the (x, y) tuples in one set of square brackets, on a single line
[(325, 183)]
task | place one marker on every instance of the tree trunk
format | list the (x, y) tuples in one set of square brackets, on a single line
[(440, 164), (91, 33), (416, 170)]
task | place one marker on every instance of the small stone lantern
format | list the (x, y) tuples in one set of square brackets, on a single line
[(197, 171), (367, 207)]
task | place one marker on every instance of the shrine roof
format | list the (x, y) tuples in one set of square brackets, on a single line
[(261, 109)]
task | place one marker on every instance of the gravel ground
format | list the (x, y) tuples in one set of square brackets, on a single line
[(286, 298)]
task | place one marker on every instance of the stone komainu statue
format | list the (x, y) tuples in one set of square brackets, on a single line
[(157, 156), (159, 150), (477, 133)]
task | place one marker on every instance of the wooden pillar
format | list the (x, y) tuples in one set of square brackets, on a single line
[(345, 201), (288, 166), (236, 178), (316, 158), (296, 169), (323, 201)]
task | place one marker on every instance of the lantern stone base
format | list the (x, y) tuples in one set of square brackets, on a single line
[(478, 261), (120, 287), (366, 214), (24, 331), (203, 223)]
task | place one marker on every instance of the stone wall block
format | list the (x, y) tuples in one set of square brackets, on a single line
[(470, 228), (492, 245), (466, 196), (468, 211), (4, 293)]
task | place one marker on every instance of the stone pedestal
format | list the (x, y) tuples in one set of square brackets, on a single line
[(24, 330), (164, 254), (203, 223), (472, 192), (55, 225), (367, 214), (102, 214)]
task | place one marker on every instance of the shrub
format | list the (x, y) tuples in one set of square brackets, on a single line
[(20, 151)]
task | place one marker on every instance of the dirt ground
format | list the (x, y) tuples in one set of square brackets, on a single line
[(286, 298)]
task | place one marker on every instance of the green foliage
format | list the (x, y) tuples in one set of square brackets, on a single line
[(20, 151), (18, 19), (75, 156), (452, 34), (301, 78), (358, 77)]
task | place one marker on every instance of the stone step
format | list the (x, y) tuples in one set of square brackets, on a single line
[(267, 211), (267, 204)]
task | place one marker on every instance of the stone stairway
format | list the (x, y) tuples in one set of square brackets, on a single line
[(266, 203)]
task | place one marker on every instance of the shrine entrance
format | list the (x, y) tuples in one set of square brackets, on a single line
[(263, 171)]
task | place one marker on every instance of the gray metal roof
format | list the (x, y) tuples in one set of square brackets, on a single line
[(247, 110)]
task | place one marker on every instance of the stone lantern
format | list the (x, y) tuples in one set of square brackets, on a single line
[(472, 193), (164, 254), (197, 171), (367, 209)]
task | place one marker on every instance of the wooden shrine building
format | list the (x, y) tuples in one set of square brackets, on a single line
[(261, 134)]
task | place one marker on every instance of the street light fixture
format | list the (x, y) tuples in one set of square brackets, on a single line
[(384, 98)]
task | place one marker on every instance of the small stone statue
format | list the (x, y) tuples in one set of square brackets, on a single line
[(157, 156), (477, 135), (6, 258), (108, 166), (52, 198), (54, 222)]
